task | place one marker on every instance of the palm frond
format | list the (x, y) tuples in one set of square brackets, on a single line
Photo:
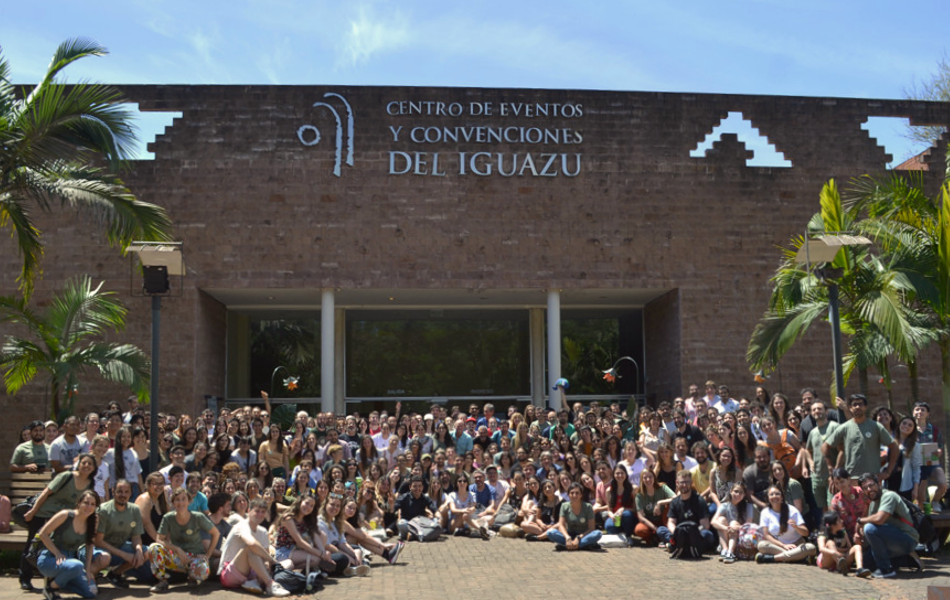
[(29, 245), (776, 333)]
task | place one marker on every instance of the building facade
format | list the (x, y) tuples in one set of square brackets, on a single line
[(385, 243)]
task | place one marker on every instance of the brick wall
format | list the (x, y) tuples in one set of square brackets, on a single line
[(257, 209)]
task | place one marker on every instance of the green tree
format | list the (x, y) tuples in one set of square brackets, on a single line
[(875, 318), (65, 341), (914, 228), (55, 144)]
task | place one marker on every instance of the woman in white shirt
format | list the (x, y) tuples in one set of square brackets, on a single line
[(784, 531), (633, 463)]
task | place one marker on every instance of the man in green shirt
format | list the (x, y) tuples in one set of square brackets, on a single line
[(887, 528), (859, 442), (120, 533), (815, 464), (31, 456)]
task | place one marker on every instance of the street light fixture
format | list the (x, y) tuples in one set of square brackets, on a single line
[(823, 249), (158, 260)]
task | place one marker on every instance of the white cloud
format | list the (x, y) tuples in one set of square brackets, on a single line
[(369, 35)]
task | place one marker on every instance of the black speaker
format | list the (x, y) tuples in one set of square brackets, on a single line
[(156, 280)]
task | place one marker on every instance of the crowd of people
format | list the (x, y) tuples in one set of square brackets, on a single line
[(233, 495)]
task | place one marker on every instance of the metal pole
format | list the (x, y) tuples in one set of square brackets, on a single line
[(153, 392), (835, 336)]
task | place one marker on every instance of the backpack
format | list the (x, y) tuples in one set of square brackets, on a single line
[(296, 583), (425, 529), (924, 525), (687, 541)]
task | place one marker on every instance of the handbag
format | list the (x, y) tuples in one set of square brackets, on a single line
[(18, 512)]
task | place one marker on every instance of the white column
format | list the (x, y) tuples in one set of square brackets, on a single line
[(536, 335), (327, 347), (554, 345)]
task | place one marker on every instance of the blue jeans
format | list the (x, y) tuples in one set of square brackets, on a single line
[(70, 575), (628, 520), (143, 574), (887, 542), (586, 541)]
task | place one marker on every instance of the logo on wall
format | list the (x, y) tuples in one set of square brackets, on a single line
[(309, 135)]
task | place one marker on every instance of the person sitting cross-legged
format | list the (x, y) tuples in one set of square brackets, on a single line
[(576, 528)]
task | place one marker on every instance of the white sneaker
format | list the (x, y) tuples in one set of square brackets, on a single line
[(276, 590), (252, 586)]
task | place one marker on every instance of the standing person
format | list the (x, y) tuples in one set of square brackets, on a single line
[(930, 474), (245, 558), (123, 464), (784, 446), (275, 453), (816, 465), (70, 560), (140, 446), (91, 424), (784, 531), (65, 448), (905, 480), (859, 442), (179, 546), (120, 533), (887, 527), (687, 511), (576, 529)]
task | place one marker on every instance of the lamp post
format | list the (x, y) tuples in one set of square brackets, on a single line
[(611, 374), (159, 260), (823, 249)]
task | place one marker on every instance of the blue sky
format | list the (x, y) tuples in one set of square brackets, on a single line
[(803, 47)]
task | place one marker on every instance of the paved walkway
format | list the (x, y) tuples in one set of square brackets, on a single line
[(455, 567)]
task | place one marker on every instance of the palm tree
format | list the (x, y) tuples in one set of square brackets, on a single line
[(64, 342), (52, 139), (874, 314), (914, 227)]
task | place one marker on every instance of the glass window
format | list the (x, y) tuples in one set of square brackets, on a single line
[(259, 343), (437, 353), (590, 343)]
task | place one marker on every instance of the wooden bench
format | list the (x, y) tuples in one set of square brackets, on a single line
[(941, 523), (19, 487)]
